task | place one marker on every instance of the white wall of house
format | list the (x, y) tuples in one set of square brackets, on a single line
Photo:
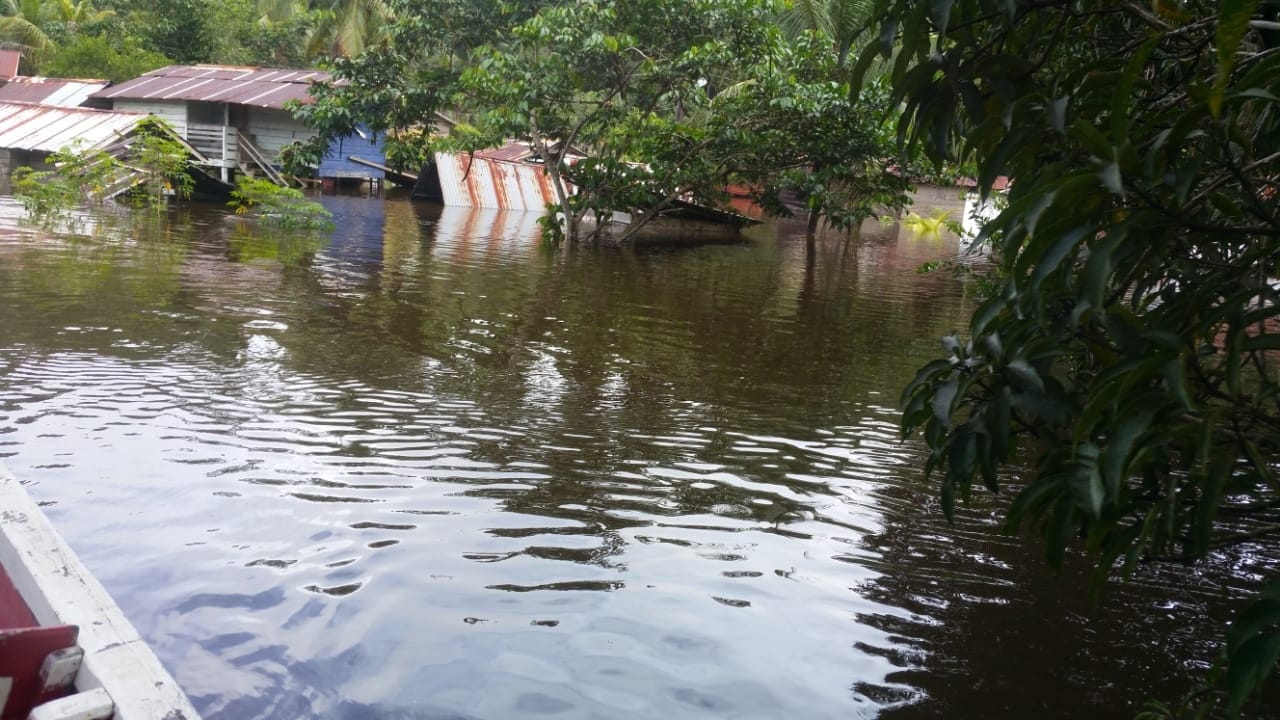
[(174, 113), (271, 130)]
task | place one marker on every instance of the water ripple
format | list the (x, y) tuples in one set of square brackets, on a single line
[(428, 467)]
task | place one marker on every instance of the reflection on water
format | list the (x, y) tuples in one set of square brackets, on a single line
[(431, 468)]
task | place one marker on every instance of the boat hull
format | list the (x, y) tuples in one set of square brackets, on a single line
[(59, 590)]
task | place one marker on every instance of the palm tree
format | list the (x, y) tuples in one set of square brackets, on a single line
[(22, 25), (342, 27), (841, 20), (25, 24), (75, 14), (347, 27)]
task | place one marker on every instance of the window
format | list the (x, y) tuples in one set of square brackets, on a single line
[(206, 113)]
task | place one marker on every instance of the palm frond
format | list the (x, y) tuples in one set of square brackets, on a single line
[(737, 89), (802, 16), (850, 18), (347, 27), (20, 33), (277, 10)]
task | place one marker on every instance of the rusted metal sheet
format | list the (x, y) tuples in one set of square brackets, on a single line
[(47, 129), (511, 152), (9, 60), (253, 86), (484, 182), (50, 91)]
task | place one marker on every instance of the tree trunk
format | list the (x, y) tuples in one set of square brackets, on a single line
[(552, 165)]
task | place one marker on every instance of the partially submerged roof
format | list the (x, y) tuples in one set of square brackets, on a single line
[(48, 129), (50, 91), (253, 86)]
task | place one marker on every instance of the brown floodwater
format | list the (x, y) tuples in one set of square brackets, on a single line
[(426, 467)]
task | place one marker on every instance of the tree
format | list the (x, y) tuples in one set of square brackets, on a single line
[(32, 25), (116, 59), (160, 162), (666, 101), (671, 101), (630, 85), (399, 88), (796, 131), (20, 26), (335, 28), (232, 32), (346, 27), (75, 15), (1129, 356), (840, 21)]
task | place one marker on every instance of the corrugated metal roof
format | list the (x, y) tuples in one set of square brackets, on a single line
[(50, 91), (219, 83), (479, 181), (511, 152), (48, 129)]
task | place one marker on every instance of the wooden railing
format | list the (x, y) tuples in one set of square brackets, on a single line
[(254, 159), (227, 147), (216, 142)]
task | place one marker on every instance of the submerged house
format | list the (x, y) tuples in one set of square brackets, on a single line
[(29, 133), (236, 118), (39, 116)]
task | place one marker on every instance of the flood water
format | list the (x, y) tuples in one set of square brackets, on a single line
[(430, 468)]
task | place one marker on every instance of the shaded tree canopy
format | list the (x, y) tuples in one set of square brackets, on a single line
[(121, 39), (668, 101), (1130, 357)]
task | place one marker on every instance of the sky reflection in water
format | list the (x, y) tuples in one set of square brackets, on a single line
[(432, 469)]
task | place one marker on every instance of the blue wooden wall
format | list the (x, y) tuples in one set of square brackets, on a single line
[(337, 164)]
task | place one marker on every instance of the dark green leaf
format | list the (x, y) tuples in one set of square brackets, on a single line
[(1233, 22), (943, 397), (1023, 376), (940, 11), (1049, 260)]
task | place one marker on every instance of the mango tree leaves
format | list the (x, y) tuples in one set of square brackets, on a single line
[(1132, 347), (1233, 21)]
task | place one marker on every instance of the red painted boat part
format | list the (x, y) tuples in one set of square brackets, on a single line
[(23, 649), (14, 612)]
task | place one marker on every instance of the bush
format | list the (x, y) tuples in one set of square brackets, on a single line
[(277, 205), (101, 57), (76, 176)]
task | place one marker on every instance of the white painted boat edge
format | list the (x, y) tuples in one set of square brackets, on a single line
[(60, 590)]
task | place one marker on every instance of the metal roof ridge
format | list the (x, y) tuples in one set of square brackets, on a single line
[(216, 66), (84, 110)]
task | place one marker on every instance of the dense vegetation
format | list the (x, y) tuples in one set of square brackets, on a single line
[(1128, 356), (663, 101), (121, 39)]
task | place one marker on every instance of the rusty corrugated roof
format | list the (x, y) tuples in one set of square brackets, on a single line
[(484, 182), (47, 129), (253, 86), (50, 91), (511, 152)]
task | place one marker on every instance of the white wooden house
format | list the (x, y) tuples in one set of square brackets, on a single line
[(234, 116)]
